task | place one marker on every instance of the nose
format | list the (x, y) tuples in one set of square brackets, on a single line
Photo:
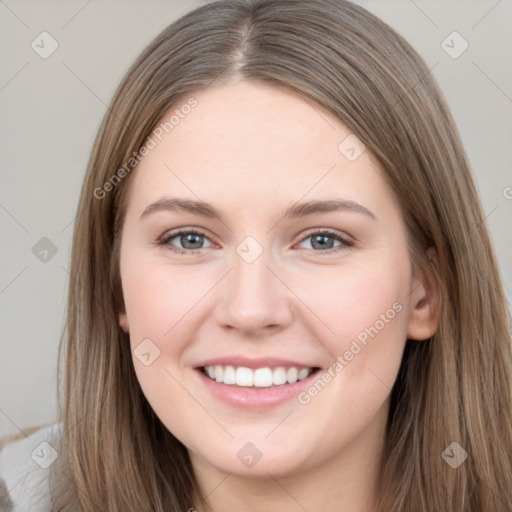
[(254, 298)]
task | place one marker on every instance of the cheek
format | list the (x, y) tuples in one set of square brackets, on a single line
[(365, 311), (364, 324), (359, 303), (159, 299), (162, 304)]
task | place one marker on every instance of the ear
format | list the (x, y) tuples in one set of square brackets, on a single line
[(123, 321), (424, 300)]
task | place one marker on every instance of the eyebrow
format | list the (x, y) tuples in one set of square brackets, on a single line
[(295, 211)]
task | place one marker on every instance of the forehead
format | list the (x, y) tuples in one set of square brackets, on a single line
[(249, 123), (250, 142)]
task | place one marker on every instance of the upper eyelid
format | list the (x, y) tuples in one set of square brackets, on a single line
[(184, 231), (328, 231)]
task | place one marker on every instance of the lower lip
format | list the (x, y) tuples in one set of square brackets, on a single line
[(254, 397)]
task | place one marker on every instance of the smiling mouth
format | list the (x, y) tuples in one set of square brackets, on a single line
[(265, 377)]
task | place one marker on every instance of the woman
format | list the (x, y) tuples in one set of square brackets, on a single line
[(336, 335)]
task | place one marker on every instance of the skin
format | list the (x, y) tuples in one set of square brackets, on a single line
[(252, 151)]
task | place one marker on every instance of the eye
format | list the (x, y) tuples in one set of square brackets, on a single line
[(190, 241), (324, 240)]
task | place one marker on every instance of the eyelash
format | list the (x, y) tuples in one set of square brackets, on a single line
[(345, 243)]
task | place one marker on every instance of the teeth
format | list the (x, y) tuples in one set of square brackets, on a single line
[(244, 376), (279, 376), (229, 376), (260, 378), (292, 374), (263, 377), (303, 373)]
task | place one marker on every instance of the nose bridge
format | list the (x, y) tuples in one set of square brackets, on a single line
[(254, 298)]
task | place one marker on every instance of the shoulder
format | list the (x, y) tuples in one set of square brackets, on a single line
[(24, 470)]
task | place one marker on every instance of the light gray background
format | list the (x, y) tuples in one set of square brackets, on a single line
[(51, 109)]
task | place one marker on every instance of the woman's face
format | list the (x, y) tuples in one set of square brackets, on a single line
[(286, 260)]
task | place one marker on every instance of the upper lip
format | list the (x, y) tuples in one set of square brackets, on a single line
[(260, 362)]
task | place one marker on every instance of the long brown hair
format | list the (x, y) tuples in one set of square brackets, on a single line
[(455, 387)]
